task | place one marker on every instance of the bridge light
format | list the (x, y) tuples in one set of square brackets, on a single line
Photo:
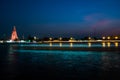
[(108, 37), (116, 37), (103, 37)]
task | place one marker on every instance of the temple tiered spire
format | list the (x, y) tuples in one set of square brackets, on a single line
[(14, 34)]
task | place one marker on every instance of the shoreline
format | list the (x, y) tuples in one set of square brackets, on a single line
[(76, 41), (67, 46)]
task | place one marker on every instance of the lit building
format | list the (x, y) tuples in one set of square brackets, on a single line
[(14, 34)]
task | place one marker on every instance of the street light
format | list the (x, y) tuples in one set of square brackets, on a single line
[(50, 39), (116, 37), (103, 37), (71, 38), (35, 37), (60, 38), (89, 38), (108, 37)]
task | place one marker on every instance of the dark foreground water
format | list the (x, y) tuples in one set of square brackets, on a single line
[(20, 64)]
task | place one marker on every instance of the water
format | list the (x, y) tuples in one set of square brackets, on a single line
[(17, 63)]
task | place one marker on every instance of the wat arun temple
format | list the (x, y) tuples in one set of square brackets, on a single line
[(14, 34)]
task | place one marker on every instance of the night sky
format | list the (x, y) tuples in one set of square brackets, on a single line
[(57, 18)]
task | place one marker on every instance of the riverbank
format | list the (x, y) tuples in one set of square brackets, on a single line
[(75, 41)]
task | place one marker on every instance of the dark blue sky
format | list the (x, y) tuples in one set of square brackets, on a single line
[(60, 17)]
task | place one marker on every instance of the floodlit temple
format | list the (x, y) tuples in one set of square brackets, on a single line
[(14, 34)]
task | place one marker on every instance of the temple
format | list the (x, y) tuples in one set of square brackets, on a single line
[(14, 35)]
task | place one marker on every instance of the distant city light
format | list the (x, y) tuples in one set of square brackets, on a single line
[(71, 38), (50, 39), (60, 38), (35, 37), (116, 37), (103, 37), (89, 38), (108, 37), (9, 41), (1, 41)]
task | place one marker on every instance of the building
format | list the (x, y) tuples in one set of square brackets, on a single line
[(14, 34)]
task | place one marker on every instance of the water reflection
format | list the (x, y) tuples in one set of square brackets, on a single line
[(67, 59), (103, 44), (109, 61), (11, 55), (20, 62), (71, 44), (10, 50), (116, 44), (60, 44), (50, 44), (89, 44), (108, 44), (11, 63)]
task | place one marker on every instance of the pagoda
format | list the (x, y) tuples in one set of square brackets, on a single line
[(14, 34)]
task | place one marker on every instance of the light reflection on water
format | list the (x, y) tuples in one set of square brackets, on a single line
[(11, 55), (60, 44), (71, 44), (116, 44), (93, 56), (86, 59), (73, 63), (103, 44), (89, 44), (108, 44), (50, 44)]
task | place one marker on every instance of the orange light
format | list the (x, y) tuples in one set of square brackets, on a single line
[(14, 34), (116, 44), (108, 44), (116, 37), (103, 44), (108, 37)]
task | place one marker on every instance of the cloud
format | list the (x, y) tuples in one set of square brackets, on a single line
[(94, 17), (101, 24), (107, 27), (99, 20)]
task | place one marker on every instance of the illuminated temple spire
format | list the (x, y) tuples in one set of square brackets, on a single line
[(14, 34)]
